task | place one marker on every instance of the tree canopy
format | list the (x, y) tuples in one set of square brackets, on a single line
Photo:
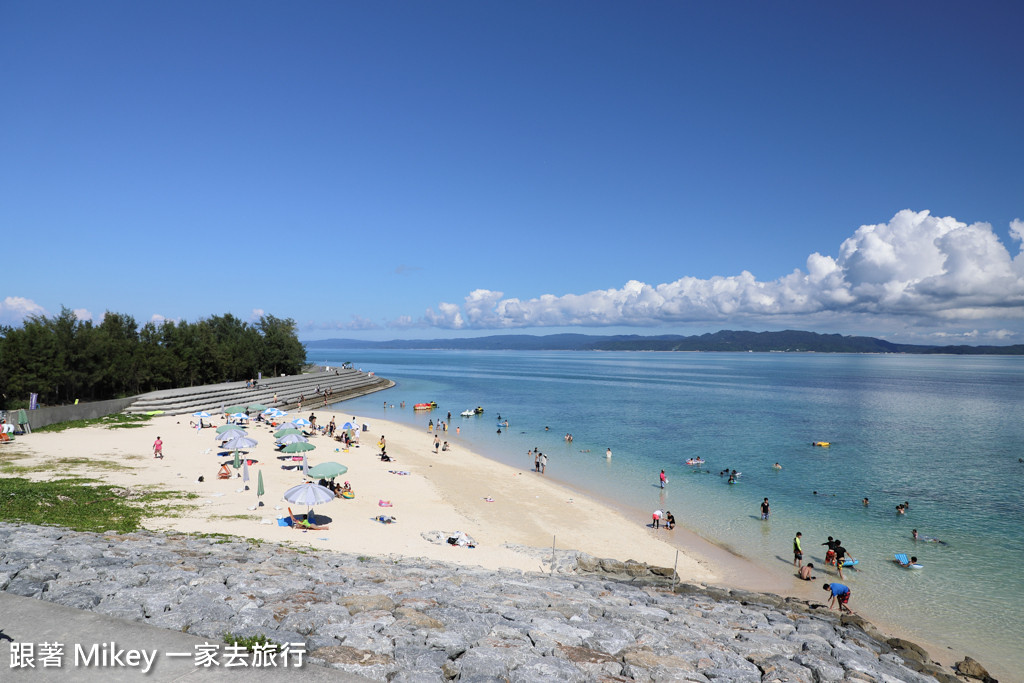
[(63, 358)]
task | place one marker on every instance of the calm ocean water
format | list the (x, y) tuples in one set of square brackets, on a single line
[(942, 432)]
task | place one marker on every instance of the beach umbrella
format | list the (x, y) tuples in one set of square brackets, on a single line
[(240, 442), (301, 422), (238, 461), (239, 416), (349, 425), (245, 473), (288, 425), (201, 413), (256, 407), (327, 470), (274, 412), (233, 409), (309, 494), (298, 447), (305, 465), (285, 432), (259, 487), (229, 434), (292, 438), (228, 428)]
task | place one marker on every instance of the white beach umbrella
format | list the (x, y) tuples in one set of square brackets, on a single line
[(309, 494), (301, 422), (292, 438), (231, 434), (240, 442)]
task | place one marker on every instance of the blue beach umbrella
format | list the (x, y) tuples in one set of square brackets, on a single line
[(301, 422), (201, 413)]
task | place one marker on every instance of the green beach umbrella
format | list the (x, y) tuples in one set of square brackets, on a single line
[(227, 428), (259, 486), (235, 409), (238, 461), (285, 432), (298, 447), (257, 406), (327, 470)]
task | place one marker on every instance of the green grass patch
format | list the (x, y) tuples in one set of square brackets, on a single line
[(82, 504), (115, 421), (250, 517)]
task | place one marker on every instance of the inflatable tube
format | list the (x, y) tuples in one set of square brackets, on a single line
[(850, 563), (823, 444), (348, 495)]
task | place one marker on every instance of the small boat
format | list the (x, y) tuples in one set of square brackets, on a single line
[(695, 461), (823, 444), (425, 406), (467, 413), (478, 411)]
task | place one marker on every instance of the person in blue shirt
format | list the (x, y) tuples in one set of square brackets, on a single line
[(840, 593)]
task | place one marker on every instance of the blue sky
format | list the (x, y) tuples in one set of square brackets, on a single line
[(423, 169)]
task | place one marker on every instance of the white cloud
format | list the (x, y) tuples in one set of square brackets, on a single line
[(14, 309), (917, 265), (257, 313), (83, 314)]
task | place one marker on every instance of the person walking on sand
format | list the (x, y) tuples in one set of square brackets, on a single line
[(765, 509), (543, 462), (437, 443), (798, 551), (841, 557), (663, 478), (158, 448), (840, 593)]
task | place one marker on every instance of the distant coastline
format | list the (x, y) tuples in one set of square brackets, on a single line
[(787, 341)]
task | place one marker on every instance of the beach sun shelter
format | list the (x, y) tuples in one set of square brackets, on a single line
[(327, 470), (309, 494)]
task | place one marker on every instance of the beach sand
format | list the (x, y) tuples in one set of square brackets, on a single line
[(444, 492)]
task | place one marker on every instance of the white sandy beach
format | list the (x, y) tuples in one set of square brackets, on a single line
[(444, 492)]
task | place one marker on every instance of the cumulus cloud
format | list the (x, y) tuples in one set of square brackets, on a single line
[(83, 314), (14, 309), (257, 313), (916, 264)]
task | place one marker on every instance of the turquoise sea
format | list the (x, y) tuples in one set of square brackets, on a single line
[(943, 432)]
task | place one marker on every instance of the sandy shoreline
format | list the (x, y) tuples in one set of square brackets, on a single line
[(442, 492)]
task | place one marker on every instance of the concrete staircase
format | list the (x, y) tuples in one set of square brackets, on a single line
[(213, 398)]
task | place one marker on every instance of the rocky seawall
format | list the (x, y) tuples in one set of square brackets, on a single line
[(402, 619)]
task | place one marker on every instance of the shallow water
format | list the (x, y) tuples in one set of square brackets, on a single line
[(943, 432)]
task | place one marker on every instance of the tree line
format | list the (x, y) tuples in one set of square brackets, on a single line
[(63, 358)]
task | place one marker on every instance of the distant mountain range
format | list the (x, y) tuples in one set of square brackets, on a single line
[(788, 341)]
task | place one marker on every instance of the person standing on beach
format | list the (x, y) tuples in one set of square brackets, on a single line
[(663, 478), (840, 593), (158, 448), (766, 510), (383, 444), (841, 557), (798, 551), (437, 443), (543, 462)]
